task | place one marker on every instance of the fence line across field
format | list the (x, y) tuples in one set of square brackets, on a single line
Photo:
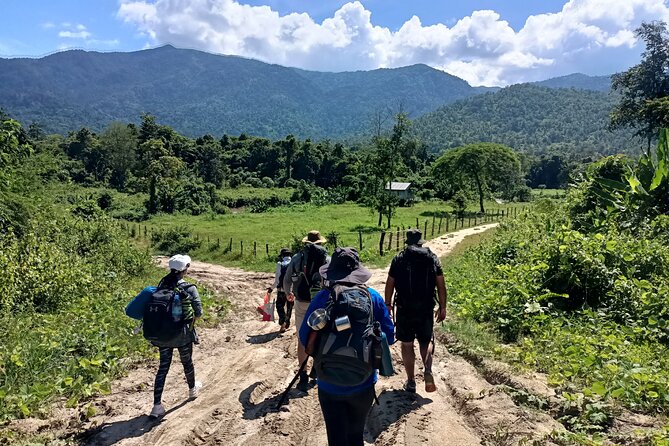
[(382, 240)]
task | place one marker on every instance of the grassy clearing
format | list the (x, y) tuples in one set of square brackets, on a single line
[(287, 225)]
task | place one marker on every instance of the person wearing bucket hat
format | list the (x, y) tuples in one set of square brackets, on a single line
[(413, 275), (301, 282), (191, 308), (284, 308), (345, 405)]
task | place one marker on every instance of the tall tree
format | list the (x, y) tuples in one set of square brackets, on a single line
[(120, 146), (385, 162), (643, 87), (480, 168)]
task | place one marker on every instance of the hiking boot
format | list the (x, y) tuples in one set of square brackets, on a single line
[(287, 324), (283, 327), (195, 391), (410, 386), (430, 386), (157, 411), (303, 383)]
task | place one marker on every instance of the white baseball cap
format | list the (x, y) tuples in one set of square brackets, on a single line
[(179, 262)]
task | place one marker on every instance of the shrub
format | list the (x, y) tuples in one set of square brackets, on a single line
[(174, 240)]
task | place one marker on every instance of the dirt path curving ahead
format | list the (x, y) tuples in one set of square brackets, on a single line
[(246, 364)]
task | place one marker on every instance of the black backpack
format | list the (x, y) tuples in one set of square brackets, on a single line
[(415, 278), (284, 267), (159, 324), (309, 279), (346, 358)]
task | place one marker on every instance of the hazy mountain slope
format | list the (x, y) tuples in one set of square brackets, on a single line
[(527, 117)]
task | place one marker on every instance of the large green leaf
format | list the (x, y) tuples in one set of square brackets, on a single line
[(661, 171)]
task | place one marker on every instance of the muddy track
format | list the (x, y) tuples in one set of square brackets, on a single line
[(245, 365)]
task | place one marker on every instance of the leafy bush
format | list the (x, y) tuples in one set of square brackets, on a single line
[(174, 240)]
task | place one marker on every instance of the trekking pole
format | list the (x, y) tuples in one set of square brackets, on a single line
[(285, 393)]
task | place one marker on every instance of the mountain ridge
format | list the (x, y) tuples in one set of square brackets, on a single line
[(199, 93)]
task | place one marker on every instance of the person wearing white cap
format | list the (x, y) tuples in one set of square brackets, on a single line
[(192, 309)]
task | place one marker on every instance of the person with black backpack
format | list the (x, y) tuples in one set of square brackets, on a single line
[(283, 307), (347, 322), (169, 318), (300, 283), (414, 273)]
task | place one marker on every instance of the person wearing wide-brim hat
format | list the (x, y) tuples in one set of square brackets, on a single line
[(345, 408), (314, 237), (300, 283), (414, 274)]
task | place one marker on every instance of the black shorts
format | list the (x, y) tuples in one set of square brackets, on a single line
[(412, 324)]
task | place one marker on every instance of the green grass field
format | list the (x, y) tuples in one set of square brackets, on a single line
[(287, 225)]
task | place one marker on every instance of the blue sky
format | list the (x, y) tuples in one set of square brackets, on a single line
[(486, 42)]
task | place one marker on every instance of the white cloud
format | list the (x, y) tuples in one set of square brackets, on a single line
[(80, 32), (74, 31), (481, 48), (74, 34), (48, 25)]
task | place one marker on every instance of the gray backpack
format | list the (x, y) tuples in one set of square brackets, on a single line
[(346, 345)]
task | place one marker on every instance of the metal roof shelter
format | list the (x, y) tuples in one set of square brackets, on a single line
[(397, 186)]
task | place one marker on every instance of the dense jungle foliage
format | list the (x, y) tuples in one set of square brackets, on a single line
[(172, 173), (67, 272), (580, 290)]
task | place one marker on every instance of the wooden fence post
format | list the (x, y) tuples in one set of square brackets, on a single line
[(390, 240), (360, 239), (433, 217), (254, 249), (383, 236), (267, 249), (230, 245), (241, 247), (441, 218), (398, 238), (417, 224), (448, 221), (425, 230)]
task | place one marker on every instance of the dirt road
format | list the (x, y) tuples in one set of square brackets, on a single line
[(246, 364)]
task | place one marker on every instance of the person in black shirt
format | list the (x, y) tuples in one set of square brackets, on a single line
[(414, 274)]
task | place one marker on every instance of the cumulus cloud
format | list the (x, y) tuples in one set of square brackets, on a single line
[(74, 31), (481, 48)]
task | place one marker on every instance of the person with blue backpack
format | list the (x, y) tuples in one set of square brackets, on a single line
[(344, 332), (168, 313), (284, 307)]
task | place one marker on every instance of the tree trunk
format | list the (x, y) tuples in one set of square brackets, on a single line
[(480, 191), (380, 217)]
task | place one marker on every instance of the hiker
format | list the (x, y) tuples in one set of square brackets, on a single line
[(283, 307), (413, 275), (355, 313), (191, 307), (300, 283)]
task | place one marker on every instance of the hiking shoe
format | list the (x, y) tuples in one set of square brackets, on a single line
[(410, 386), (282, 328), (157, 411), (287, 325), (195, 391), (303, 383), (430, 386)]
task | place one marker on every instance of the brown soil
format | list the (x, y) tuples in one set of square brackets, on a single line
[(245, 365)]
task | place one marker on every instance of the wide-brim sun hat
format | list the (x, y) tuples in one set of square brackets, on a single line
[(345, 267), (179, 262), (414, 237), (314, 237)]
